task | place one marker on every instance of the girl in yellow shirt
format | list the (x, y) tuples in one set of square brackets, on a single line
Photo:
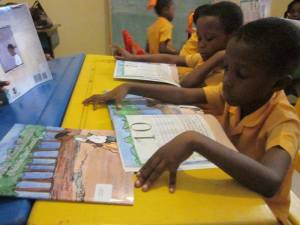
[(159, 34)]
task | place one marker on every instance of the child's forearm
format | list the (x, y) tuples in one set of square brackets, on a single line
[(166, 50), (199, 74), (253, 174), (160, 58), (166, 93)]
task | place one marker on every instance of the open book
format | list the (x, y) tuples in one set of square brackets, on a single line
[(144, 125), (63, 164), (155, 72)]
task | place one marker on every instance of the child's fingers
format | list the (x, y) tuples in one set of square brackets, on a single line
[(88, 100), (4, 83), (146, 170), (154, 175), (118, 102), (115, 48), (117, 57), (172, 180)]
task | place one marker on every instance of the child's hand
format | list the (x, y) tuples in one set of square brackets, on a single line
[(122, 54), (117, 94), (168, 157), (2, 84)]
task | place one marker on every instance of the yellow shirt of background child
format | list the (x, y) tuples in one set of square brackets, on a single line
[(160, 31), (190, 47), (215, 77)]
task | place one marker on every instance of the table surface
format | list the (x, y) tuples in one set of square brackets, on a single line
[(207, 196)]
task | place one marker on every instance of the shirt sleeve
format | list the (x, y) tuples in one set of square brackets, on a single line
[(165, 33), (285, 135), (193, 60), (215, 101)]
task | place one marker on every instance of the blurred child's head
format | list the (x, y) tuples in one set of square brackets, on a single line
[(215, 25), (165, 8), (198, 11), (11, 49), (293, 10), (258, 61)]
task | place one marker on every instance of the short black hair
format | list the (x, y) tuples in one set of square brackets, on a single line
[(198, 12), (161, 4), (276, 43), (290, 6), (229, 14), (11, 46)]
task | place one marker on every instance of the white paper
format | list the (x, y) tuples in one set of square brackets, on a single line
[(97, 139), (164, 128), (157, 72), (103, 193)]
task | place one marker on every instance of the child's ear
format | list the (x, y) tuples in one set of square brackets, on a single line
[(283, 82)]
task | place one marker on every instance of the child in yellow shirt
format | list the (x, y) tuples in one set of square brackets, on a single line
[(250, 105), (215, 25), (190, 47), (159, 34)]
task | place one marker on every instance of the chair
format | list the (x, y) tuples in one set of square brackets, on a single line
[(131, 45)]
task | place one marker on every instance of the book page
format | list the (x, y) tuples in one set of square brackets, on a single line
[(157, 72), (150, 132)]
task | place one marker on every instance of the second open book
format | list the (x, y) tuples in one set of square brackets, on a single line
[(154, 72), (144, 125)]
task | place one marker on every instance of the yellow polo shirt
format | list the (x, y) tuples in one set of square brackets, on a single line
[(274, 124), (215, 78), (190, 47), (194, 60), (160, 31)]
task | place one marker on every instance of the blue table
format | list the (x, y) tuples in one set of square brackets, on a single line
[(45, 105)]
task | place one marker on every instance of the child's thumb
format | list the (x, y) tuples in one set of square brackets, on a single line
[(118, 103), (119, 57)]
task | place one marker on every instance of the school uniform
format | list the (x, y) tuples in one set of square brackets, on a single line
[(160, 31), (190, 47), (274, 124), (215, 77)]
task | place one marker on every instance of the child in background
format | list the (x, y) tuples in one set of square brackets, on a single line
[(159, 34), (215, 25), (293, 10), (250, 105), (190, 47)]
